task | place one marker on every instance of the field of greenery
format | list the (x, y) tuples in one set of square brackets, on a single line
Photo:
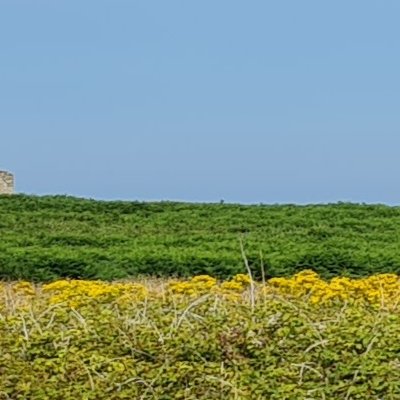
[(292, 338), (46, 238), (130, 300)]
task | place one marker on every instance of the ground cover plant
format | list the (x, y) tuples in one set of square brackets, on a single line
[(45, 238), (290, 338)]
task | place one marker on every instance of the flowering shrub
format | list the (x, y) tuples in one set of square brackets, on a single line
[(292, 338), (376, 289), (383, 289), (76, 293)]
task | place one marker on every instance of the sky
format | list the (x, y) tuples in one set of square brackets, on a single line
[(243, 101)]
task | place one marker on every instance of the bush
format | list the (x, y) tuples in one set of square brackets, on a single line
[(179, 347), (44, 238)]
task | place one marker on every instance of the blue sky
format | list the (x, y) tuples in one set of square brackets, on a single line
[(256, 101)]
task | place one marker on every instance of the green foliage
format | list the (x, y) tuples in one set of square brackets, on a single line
[(44, 238), (213, 349)]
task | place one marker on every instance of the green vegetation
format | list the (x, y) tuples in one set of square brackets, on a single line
[(43, 238), (213, 348)]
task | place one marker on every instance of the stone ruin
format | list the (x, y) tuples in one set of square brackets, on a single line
[(6, 183)]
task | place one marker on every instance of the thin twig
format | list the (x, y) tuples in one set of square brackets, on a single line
[(246, 263)]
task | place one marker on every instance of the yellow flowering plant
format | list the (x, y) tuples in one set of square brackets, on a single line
[(298, 337)]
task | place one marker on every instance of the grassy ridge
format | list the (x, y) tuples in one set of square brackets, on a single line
[(44, 238)]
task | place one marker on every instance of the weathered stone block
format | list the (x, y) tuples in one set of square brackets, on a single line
[(6, 183)]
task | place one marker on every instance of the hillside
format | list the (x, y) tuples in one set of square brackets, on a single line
[(43, 238)]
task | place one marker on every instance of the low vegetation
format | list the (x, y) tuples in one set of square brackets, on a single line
[(288, 339), (46, 238), (321, 320)]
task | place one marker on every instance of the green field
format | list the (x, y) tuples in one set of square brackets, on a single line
[(43, 238)]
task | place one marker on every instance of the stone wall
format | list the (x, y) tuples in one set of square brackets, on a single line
[(6, 183)]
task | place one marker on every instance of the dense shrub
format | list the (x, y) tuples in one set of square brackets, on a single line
[(113, 341), (44, 238)]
